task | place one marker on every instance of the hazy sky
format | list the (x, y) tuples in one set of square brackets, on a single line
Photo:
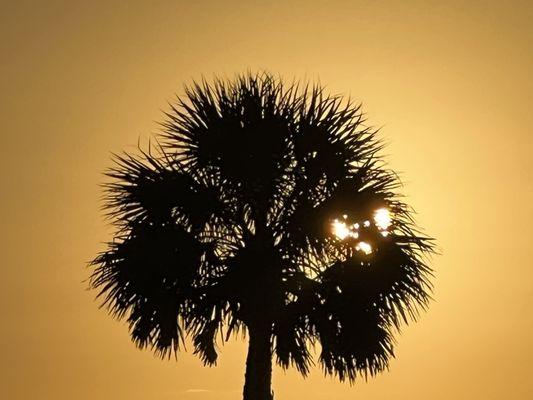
[(449, 83)]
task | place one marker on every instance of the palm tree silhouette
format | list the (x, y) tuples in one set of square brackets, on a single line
[(266, 210)]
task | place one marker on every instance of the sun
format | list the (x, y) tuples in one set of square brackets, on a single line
[(342, 230), (382, 219)]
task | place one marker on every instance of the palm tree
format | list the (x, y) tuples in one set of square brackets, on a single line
[(265, 209)]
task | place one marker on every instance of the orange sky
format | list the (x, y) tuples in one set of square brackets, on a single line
[(450, 85)]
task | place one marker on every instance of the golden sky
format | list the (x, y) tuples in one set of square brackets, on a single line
[(449, 83)]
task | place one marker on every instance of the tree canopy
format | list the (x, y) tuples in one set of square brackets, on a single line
[(264, 205)]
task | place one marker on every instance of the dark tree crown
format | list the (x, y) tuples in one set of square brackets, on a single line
[(227, 225)]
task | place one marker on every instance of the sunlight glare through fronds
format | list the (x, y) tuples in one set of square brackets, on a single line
[(364, 247), (382, 219), (341, 230)]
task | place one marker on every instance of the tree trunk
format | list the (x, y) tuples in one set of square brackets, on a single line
[(258, 375)]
